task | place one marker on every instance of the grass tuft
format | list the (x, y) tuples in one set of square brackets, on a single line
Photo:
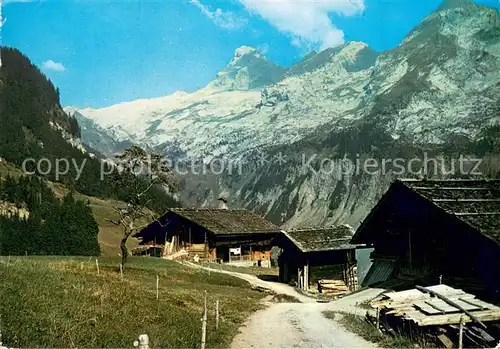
[(361, 327)]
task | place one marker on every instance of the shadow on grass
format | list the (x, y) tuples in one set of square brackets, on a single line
[(284, 298)]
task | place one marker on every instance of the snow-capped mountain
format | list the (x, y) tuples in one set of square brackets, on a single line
[(218, 121), (437, 91), (248, 70)]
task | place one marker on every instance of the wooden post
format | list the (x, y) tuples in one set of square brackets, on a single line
[(299, 278), (306, 276), (344, 273), (121, 271), (217, 314), (461, 333), (206, 246), (97, 265), (378, 319), (157, 287), (204, 322), (81, 265)]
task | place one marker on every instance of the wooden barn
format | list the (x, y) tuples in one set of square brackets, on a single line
[(234, 236), (436, 231), (310, 255)]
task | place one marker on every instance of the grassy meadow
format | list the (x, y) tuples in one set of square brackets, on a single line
[(62, 302)]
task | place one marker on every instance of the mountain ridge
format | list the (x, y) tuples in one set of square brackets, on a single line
[(437, 89)]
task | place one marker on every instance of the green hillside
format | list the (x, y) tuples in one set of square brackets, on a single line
[(54, 302)]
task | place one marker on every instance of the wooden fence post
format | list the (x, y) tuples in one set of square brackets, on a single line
[(121, 271), (157, 287), (217, 314), (461, 333), (204, 322), (378, 318), (97, 265)]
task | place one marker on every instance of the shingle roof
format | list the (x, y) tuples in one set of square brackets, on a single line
[(321, 239), (475, 202), (227, 221)]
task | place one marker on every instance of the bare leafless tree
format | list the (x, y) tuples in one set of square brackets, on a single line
[(140, 172)]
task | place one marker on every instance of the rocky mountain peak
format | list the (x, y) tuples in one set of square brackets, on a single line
[(249, 69), (245, 50), (352, 55), (451, 4)]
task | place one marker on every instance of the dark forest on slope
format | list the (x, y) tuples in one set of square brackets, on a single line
[(52, 226), (29, 109)]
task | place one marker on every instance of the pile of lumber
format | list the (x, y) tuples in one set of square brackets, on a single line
[(333, 287), (439, 310)]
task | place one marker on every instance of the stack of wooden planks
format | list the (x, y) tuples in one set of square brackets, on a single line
[(439, 306), (332, 287), (425, 310)]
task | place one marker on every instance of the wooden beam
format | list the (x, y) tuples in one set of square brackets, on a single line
[(466, 200), (472, 303), (483, 315), (452, 303), (435, 307), (451, 188), (476, 213)]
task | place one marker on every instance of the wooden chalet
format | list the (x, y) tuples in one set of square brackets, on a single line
[(236, 236), (436, 231), (309, 255)]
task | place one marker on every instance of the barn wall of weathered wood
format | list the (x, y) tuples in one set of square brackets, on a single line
[(430, 245)]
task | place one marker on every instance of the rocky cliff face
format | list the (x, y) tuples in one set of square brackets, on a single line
[(436, 94)]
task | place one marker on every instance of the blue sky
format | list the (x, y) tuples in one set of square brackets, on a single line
[(104, 52)]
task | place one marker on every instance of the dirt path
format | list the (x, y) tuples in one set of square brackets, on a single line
[(276, 287), (297, 325), (350, 304)]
